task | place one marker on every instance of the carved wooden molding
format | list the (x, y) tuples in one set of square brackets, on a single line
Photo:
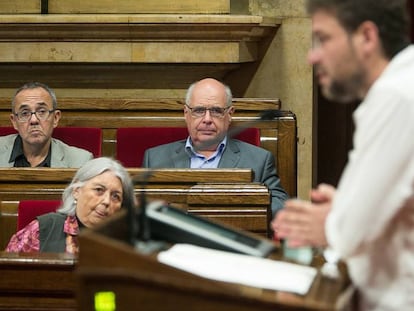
[(136, 27)]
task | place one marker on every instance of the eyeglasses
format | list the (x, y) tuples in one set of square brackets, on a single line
[(25, 115), (215, 112)]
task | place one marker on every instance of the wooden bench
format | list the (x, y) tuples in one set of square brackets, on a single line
[(37, 282), (225, 195), (277, 135)]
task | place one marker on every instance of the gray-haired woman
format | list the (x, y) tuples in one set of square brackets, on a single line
[(101, 187)]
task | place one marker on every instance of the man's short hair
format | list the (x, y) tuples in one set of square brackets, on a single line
[(35, 85), (390, 16)]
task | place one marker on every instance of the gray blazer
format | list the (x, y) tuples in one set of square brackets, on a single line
[(237, 154), (63, 155)]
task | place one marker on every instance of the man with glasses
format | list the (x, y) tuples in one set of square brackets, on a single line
[(208, 111), (34, 116)]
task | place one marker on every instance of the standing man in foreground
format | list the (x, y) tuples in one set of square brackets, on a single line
[(208, 112), (35, 115), (361, 51)]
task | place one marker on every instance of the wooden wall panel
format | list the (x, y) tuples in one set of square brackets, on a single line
[(140, 6), (20, 6), (118, 6)]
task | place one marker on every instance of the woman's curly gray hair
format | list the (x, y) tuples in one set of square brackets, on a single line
[(91, 169)]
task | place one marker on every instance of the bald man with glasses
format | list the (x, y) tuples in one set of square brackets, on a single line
[(208, 112), (34, 116)]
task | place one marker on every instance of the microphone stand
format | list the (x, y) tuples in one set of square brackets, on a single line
[(266, 115), (143, 242)]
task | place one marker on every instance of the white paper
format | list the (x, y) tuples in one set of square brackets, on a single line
[(241, 269)]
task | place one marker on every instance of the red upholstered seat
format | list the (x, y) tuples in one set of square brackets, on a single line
[(88, 138), (7, 130), (249, 135), (28, 210), (133, 141)]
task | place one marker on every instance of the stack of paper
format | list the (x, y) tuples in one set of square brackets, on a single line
[(241, 269)]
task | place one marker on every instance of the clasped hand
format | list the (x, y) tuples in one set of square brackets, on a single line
[(302, 223)]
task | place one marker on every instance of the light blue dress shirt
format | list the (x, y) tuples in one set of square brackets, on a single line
[(199, 161)]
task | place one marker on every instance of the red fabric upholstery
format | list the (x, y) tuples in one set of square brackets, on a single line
[(28, 210), (7, 130), (88, 138), (250, 135), (132, 142)]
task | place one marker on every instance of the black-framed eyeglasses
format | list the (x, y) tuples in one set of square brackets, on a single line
[(215, 112), (25, 115)]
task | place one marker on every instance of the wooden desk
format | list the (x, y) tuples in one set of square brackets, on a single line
[(140, 280), (37, 282), (50, 281), (227, 195)]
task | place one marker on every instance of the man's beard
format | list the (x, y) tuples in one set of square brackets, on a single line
[(345, 91)]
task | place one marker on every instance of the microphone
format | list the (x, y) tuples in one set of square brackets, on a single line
[(135, 223), (140, 228), (271, 114), (144, 230), (265, 115)]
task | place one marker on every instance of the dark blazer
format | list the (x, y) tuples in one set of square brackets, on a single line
[(51, 235), (237, 154)]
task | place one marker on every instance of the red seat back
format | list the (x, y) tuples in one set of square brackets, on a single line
[(7, 130), (28, 210), (249, 135), (131, 142), (88, 138)]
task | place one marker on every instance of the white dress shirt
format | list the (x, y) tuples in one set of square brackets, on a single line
[(371, 225)]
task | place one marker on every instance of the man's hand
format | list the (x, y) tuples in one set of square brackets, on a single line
[(302, 222)]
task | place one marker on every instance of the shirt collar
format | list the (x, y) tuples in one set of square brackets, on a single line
[(17, 156), (189, 147), (71, 225), (17, 149)]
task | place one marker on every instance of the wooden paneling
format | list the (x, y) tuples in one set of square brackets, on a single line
[(37, 282), (127, 51), (119, 52), (121, 6), (20, 6), (140, 6)]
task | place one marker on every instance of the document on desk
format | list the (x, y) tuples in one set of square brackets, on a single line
[(241, 269)]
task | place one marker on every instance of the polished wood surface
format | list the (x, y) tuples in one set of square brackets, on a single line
[(37, 282), (155, 176), (47, 281), (139, 279)]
